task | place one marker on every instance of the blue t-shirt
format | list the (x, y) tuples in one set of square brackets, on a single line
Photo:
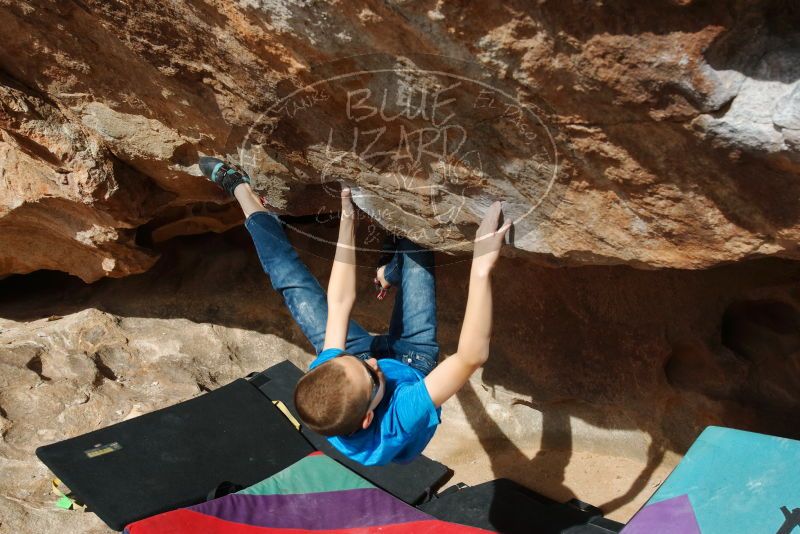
[(404, 422)]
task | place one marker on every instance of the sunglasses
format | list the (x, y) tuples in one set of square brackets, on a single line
[(376, 381)]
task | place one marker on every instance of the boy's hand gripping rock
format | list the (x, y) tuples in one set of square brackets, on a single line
[(488, 240), (348, 209)]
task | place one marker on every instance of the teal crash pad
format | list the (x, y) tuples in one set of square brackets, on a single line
[(729, 481)]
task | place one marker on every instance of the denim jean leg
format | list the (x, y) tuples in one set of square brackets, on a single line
[(301, 291), (393, 271), (374, 346), (412, 330)]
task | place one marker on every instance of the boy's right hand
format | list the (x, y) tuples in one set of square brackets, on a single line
[(348, 208), (488, 240)]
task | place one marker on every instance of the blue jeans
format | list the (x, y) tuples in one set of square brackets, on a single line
[(411, 338)]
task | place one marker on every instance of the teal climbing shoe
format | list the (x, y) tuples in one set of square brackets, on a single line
[(225, 175)]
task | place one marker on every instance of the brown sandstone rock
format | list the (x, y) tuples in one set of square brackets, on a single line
[(67, 202), (653, 134)]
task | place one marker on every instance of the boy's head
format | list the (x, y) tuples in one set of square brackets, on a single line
[(338, 397)]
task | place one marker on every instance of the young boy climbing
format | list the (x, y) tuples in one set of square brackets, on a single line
[(376, 397)]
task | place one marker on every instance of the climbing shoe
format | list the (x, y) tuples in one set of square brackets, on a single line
[(225, 175)]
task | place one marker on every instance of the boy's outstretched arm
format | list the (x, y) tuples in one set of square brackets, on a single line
[(473, 344), (342, 283)]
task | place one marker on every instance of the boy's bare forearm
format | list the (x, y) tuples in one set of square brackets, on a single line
[(476, 331), (342, 283), (473, 344)]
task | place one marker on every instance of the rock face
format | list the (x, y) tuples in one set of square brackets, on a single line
[(653, 134)]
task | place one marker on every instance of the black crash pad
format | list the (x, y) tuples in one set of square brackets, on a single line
[(173, 457), (505, 506), (412, 483)]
